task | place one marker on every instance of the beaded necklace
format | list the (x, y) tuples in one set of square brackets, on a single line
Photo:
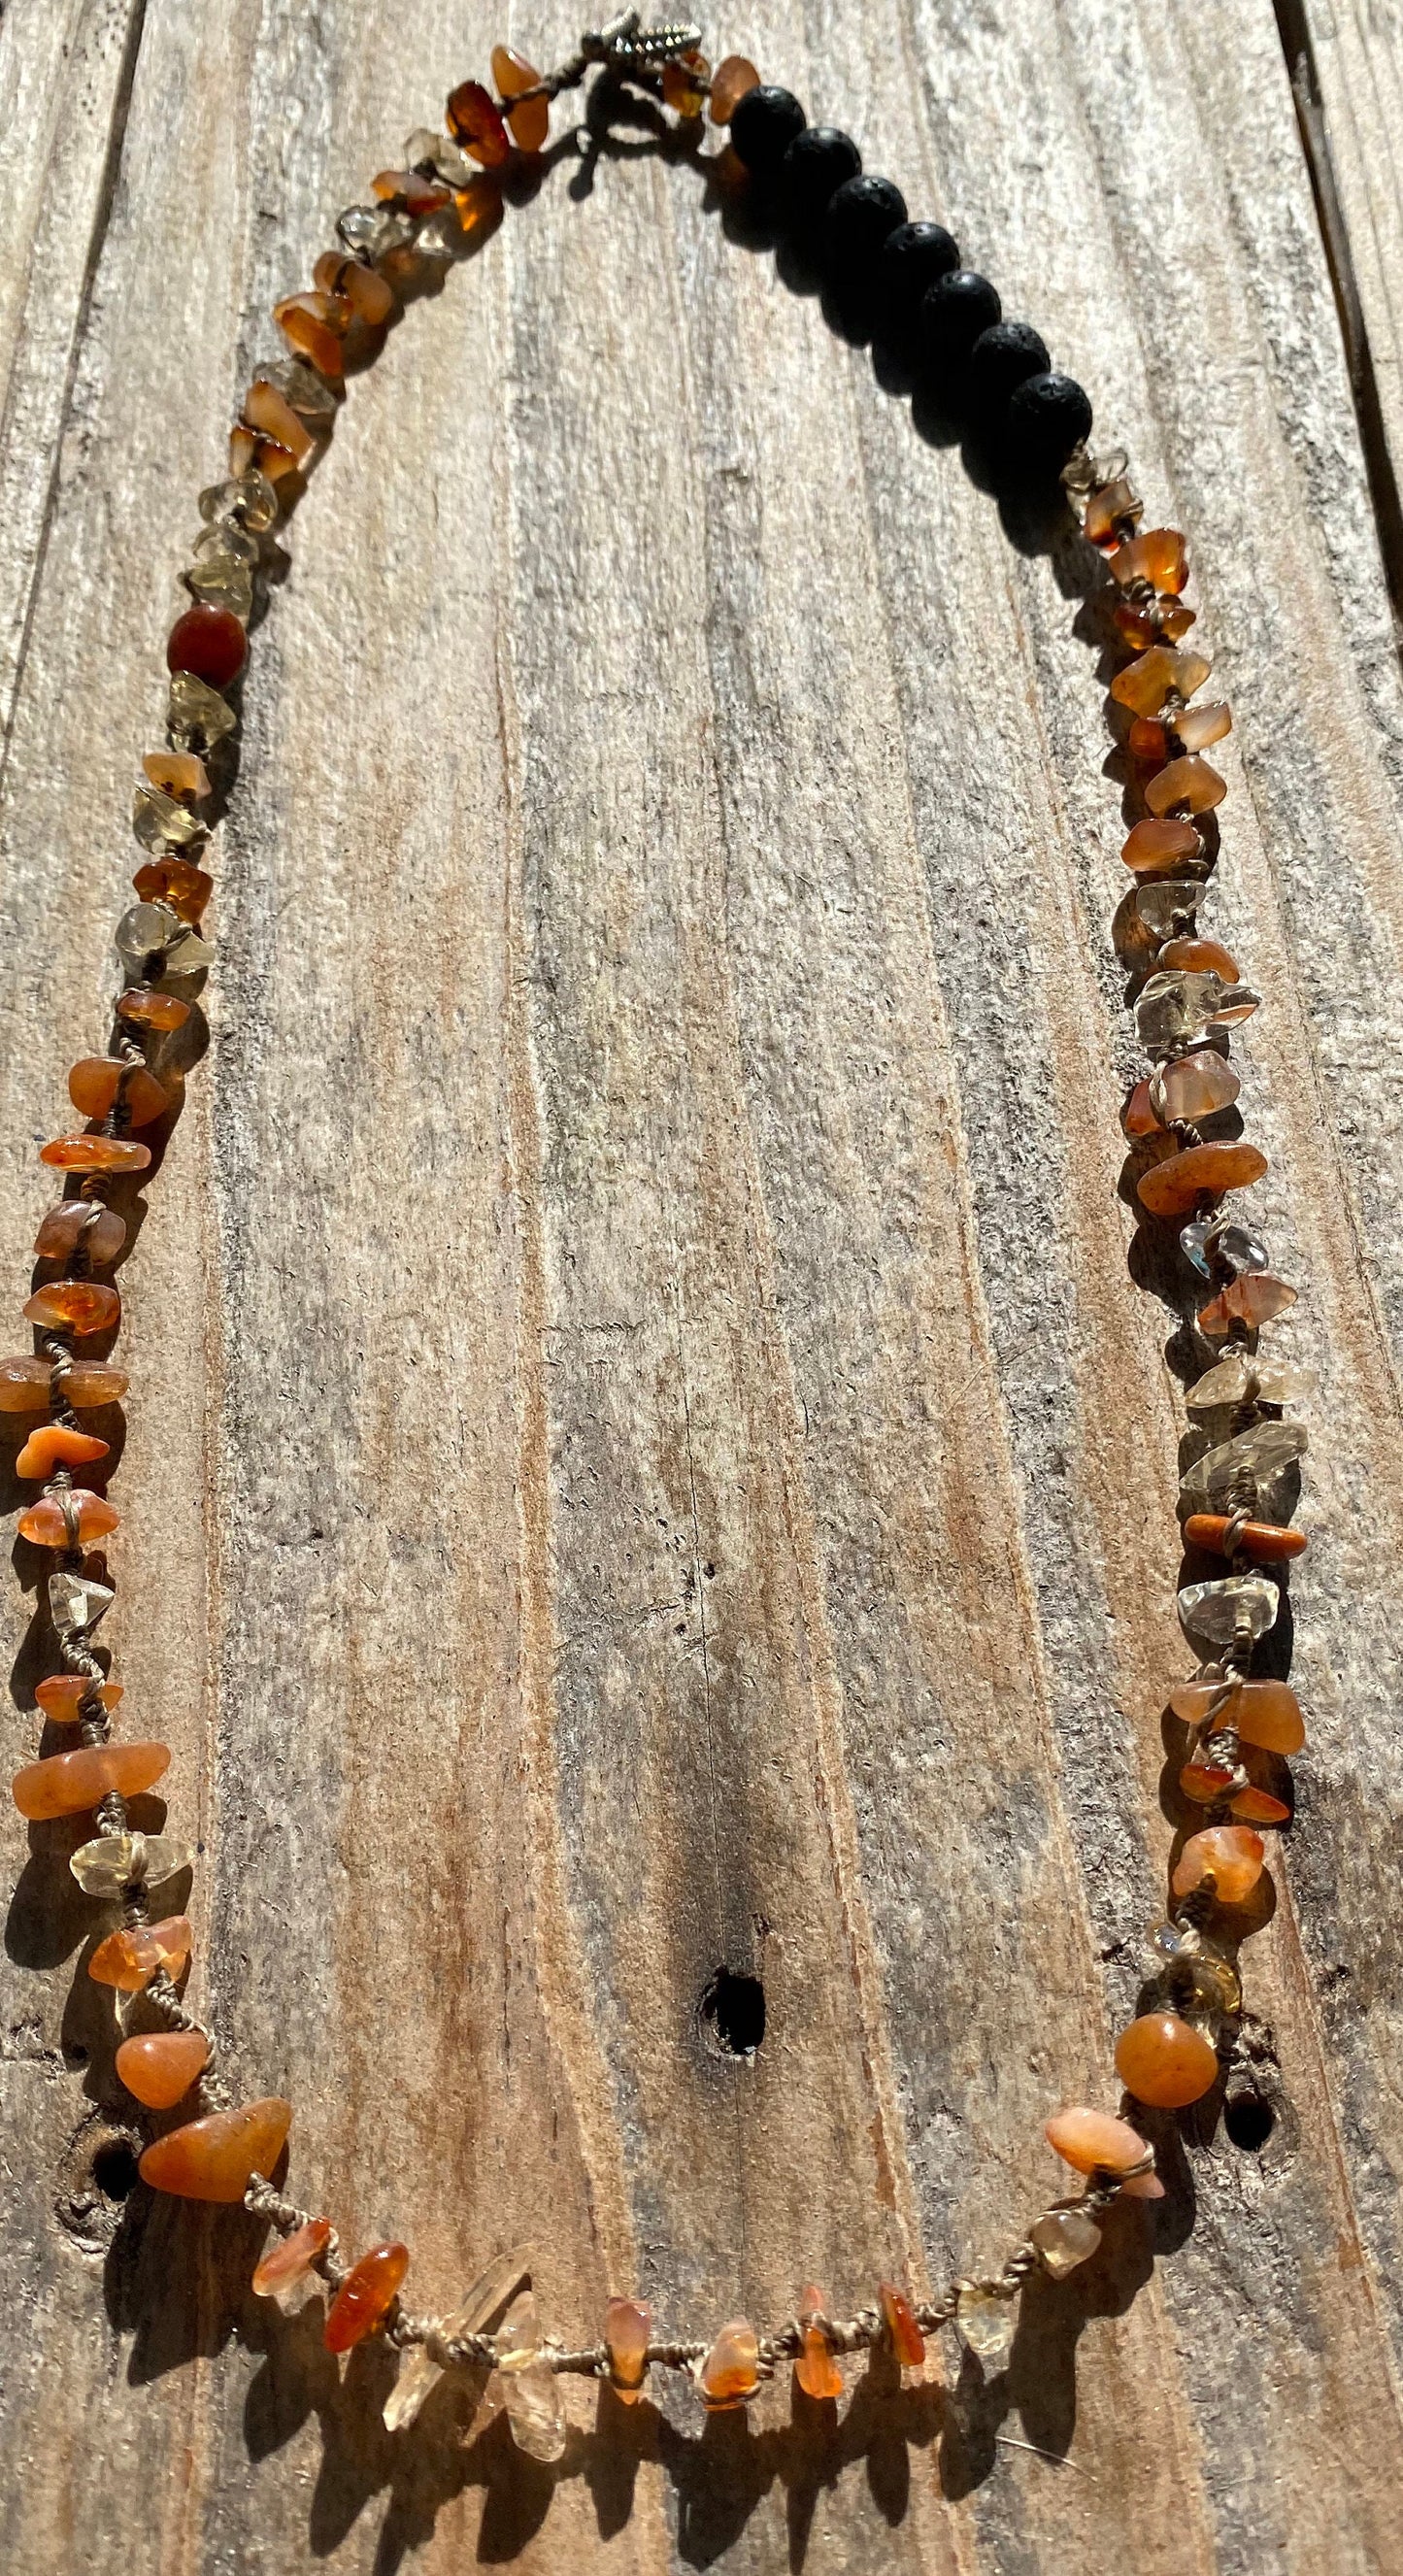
[(1191, 2033)]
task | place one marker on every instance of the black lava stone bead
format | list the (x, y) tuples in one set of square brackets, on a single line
[(1047, 417), (1002, 357), (818, 162), (912, 258), (953, 313), (862, 215), (763, 127)]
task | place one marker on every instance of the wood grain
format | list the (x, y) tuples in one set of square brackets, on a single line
[(646, 1451)]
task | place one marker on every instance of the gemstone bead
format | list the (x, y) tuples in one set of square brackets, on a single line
[(1213, 1246), (628, 2325), (685, 81), (1190, 786), (76, 1602), (1205, 1780), (217, 2158), (372, 299), (1201, 957), (418, 193), (220, 577), (75, 1518), (1199, 727), (985, 2323), (1194, 1086), (1174, 1007), (1263, 1713), (54, 1445), (1231, 1854), (314, 325), (1268, 1543), (899, 2317), (1176, 1186), (1253, 1300), (1216, 1611), (148, 1010), (730, 82), (209, 643), (524, 2383), (129, 1959), (530, 124), (112, 1863), (1158, 556), (161, 821), (1095, 2142), (249, 499), (1255, 1805), (196, 713), (1143, 622), (1159, 843), (1166, 904), (1063, 2238), (1145, 683), (64, 1784), (420, 2373), (290, 2259), (79, 1306), (365, 2296), (95, 1154), (266, 407), (99, 1229), (815, 2369), (91, 1382), (473, 120), (24, 1384), (730, 2372), (1138, 1116), (1267, 1453), (160, 2067), (1165, 2061), (185, 888), (180, 774)]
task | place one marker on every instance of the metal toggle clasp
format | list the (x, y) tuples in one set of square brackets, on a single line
[(625, 46)]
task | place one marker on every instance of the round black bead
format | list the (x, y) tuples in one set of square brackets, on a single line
[(913, 257), (1002, 357), (763, 127), (862, 215), (818, 162), (953, 313), (1048, 416)]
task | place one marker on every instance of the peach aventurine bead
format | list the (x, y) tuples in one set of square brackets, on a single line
[(54, 1445), (1231, 1854), (313, 326), (66, 1784), (1158, 844), (1199, 957), (371, 296), (209, 643), (91, 1382), (1252, 1299), (181, 774), (217, 2158), (1145, 683), (187, 889), (1157, 555), (99, 1229), (899, 2317), (74, 1306), (365, 2296), (1191, 784), (733, 79), (628, 2324), (1096, 2142), (1176, 1186), (1166, 2062), (160, 2066), (730, 2372), (474, 121), (1267, 1541), (815, 2369), (61, 1696), (1263, 1713), (148, 1010), (95, 1154), (74, 1518), (289, 2259), (130, 1958), (530, 124)]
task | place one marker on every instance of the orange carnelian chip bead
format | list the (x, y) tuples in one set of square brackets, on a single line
[(1165, 2061), (217, 2158), (731, 2371), (628, 2324), (250, 451), (685, 82), (1205, 1780), (417, 194), (313, 326), (1199, 957), (66, 1784), (92, 1382), (474, 121), (54, 1445), (289, 2259), (365, 2296), (1175, 1186), (899, 2317), (1109, 505), (74, 1221), (1096, 2142), (95, 1080), (815, 2369), (1267, 1541), (1159, 844), (1148, 741), (732, 80), (364, 288), (25, 1382), (209, 642), (1264, 1713), (1251, 1299), (1145, 624), (181, 774), (129, 1959), (1158, 556), (1145, 683), (1190, 783), (160, 2067), (152, 1010), (95, 1154), (1138, 1117), (1230, 1854), (1198, 728), (1255, 1805), (512, 73), (187, 889), (478, 208), (61, 1696), (269, 411), (73, 1518), (74, 1306)]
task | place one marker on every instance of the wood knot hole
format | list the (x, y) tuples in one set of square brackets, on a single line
[(733, 2013)]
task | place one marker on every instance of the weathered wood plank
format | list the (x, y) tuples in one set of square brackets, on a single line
[(1347, 70), (636, 1309)]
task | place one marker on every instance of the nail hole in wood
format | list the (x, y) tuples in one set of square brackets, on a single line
[(114, 2168), (1249, 2121), (733, 2012)]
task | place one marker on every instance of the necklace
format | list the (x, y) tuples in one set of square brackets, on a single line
[(1191, 2033)]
